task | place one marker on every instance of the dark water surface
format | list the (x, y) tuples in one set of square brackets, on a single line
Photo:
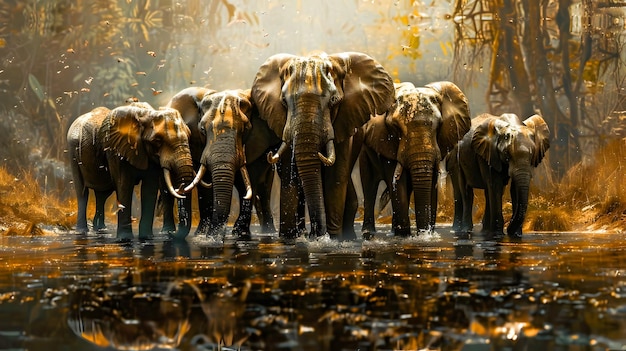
[(564, 291)]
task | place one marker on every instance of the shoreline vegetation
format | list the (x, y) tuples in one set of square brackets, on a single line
[(589, 198)]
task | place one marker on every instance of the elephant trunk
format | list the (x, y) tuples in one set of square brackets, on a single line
[(181, 166), (422, 168), (520, 185), (309, 165), (223, 176)]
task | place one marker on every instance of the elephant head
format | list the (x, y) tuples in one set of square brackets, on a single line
[(314, 102), (513, 146), (223, 126), (421, 128), (140, 134)]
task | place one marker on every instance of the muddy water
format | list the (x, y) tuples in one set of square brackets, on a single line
[(564, 291)]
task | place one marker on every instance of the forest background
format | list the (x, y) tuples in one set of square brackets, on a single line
[(563, 59)]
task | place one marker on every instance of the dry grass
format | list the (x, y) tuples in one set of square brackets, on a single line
[(24, 209)]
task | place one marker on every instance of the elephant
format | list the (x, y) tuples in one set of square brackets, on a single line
[(316, 104), (142, 144), (227, 139), (404, 149), (495, 149), (89, 167)]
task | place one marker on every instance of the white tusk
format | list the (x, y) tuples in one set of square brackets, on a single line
[(271, 158), (397, 173), (198, 179), (246, 182), (330, 160), (170, 187)]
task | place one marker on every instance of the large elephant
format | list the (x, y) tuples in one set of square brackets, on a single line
[(495, 149), (404, 149), (316, 104), (89, 166), (144, 145), (227, 140)]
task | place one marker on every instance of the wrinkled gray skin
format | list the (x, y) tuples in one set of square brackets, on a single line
[(404, 149), (144, 145), (496, 149), (228, 141), (315, 104), (89, 167)]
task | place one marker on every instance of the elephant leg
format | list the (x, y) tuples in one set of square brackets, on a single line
[(205, 207), (370, 181), (167, 203), (434, 200), (82, 197), (487, 221), (400, 198), (352, 205), (263, 203), (494, 206), (458, 203), (290, 221), (336, 178), (467, 201), (149, 191), (184, 217), (98, 218), (124, 202), (241, 227)]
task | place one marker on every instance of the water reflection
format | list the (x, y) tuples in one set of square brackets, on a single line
[(440, 292)]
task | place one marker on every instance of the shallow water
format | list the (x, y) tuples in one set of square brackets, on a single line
[(564, 291)]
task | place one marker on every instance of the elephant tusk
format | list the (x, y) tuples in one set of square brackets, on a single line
[(330, 160), (246, 182), (198, 179), (397, 173), (273, 159), (170, 187)]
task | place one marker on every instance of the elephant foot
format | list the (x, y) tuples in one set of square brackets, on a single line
[(203, 228), (493, 235), (402, 232), (368, 234), (242, 233), (82, 230), (147, 236), (124, 238), (292, 233), (515, 234)]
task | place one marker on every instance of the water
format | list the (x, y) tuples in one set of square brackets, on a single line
[(564, 291)]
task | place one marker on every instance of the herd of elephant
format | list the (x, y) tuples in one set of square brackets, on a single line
[(311, 119)]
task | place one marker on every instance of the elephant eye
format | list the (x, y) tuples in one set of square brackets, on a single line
[(334, 100), (202, 130)]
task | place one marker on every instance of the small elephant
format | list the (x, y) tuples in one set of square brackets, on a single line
[(89, 166), (495, 149), (404, 149), (228, 142), (142, 144), (315, 104)]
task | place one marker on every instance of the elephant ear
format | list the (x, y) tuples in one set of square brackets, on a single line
[(542, 137), (267, 91), (188, 103), (121, 133), (245, 106), (381, 137), (455, 115), (488, 139), (367, 91)]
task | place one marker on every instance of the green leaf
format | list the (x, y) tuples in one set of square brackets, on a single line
[(35, 86)]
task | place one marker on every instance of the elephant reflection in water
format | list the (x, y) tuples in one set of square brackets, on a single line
[(228, 144), (404, 149), (113, 150), (315, 104), (496, 149)]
